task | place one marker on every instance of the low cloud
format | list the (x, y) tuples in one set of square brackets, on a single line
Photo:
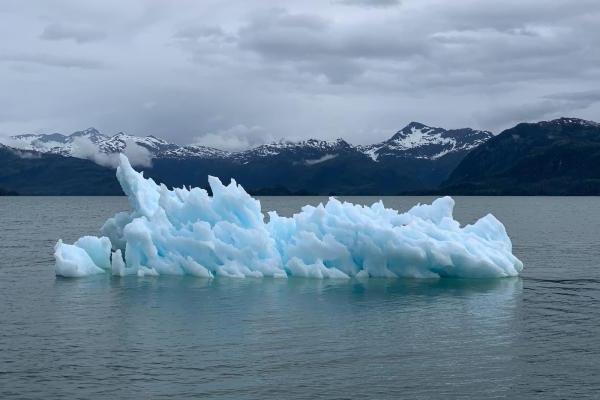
[(51, 60), (584, 98), (25, 154), (550, 106), (10, 142), (194, 32), (137, 155), (237, 138), (370, 3), (79, 34)]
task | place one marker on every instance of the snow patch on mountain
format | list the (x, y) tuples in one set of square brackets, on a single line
[(570, 121), (319, 160), (421, 141), (312, 148), (195, 150)]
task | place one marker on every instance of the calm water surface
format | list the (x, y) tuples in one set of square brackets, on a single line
[(537, 336)]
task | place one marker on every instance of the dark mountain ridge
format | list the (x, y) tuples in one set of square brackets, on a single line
[(33, 173), (557, 157)]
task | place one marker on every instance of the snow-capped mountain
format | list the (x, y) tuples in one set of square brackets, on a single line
[(413, 141), (421, 141), (569, 122), (309, 151), (54, 143), (66, 145)]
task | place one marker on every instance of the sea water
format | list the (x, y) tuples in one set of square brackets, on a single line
[(537, 335)]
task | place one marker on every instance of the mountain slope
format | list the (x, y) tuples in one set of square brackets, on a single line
[(421, 141), (550, 157), (32, 173)]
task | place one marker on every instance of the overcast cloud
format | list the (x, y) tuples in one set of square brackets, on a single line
[(239, 73)]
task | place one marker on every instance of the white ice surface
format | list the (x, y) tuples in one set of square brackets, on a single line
[(89, 255), (185, 231)]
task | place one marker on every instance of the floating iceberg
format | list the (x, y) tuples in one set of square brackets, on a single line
[(183, 231)]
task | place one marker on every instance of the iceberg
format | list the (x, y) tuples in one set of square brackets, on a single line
[(189, 232)]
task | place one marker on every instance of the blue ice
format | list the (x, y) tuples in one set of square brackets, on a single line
[(188, 232)]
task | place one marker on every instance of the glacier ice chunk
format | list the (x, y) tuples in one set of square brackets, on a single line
[(87, 256), (187, 232)]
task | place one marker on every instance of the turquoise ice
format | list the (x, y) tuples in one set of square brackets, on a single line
[(187, 232)]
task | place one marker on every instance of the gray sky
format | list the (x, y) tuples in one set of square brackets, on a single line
[(241, 72)]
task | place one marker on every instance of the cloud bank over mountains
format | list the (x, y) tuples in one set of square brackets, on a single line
[(241, 73), (138, 155)]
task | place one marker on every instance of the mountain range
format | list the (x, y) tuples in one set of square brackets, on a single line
[(414, 158), (416, 140), (550, 157)]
